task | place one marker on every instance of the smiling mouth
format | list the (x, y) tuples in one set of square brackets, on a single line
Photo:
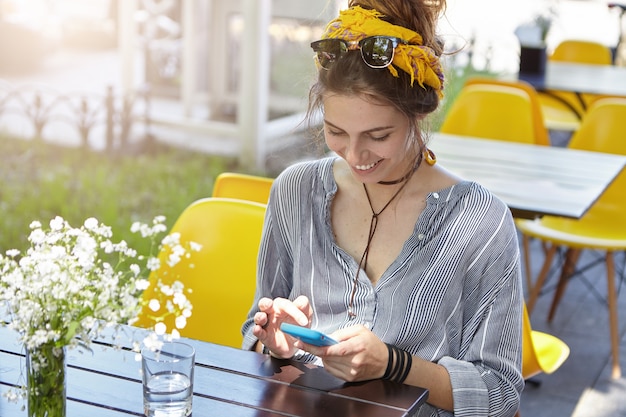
[(366, 167)]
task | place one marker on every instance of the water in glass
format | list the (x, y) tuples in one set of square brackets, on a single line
[(167, 394)]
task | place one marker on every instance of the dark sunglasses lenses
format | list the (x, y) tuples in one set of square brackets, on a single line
[(329, 50), (377, 51)]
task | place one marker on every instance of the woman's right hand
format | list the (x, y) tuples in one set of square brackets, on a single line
[(275, 312)]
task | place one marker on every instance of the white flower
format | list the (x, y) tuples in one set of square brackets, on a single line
[(153, 264), (152, 342), (37, 236), (91, 223), (160, 328), (167, 290), (136, 270), (57, 223), (171, 239), (134, 228), (154, 305), (180, 299), (181, 322), (73, 283)]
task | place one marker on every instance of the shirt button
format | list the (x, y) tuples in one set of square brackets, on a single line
[(420, 236), (436, 195)]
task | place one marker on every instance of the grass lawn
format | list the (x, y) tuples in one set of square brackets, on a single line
[(39, 181)]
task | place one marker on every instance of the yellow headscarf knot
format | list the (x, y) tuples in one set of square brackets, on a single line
[(419, 61)]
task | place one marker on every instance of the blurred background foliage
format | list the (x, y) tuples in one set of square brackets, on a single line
[(42, 180)]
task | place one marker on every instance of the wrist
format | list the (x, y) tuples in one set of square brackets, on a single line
[(267, 351), (399, 364)]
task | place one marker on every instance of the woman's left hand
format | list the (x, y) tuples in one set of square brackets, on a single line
[(359, 356)]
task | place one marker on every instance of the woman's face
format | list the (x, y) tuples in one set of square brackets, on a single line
[(371, 137)]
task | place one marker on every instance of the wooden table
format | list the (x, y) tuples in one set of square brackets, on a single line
[(227, 382), (532, 180)]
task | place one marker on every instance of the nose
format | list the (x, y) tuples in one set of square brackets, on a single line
[(354, 151)]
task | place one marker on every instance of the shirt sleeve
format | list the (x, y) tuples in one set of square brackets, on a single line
[(486, 379), (275, 262)]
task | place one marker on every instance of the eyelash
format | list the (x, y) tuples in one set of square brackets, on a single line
[(381, 138), (374, 138)]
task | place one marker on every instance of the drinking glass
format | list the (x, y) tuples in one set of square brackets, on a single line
[(168, 380)]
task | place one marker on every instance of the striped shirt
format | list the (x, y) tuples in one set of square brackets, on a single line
[(453, 295)]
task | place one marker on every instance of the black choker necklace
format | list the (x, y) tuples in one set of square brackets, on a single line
[(407, 175)]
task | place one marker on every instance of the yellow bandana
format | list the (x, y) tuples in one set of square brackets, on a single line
[(419, 61)]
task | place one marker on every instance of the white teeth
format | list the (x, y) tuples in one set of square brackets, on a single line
[(365, 167)]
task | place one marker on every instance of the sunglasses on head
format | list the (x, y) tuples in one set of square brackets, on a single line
[(376, 51)]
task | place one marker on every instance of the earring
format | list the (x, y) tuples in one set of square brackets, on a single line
[(429, 156)]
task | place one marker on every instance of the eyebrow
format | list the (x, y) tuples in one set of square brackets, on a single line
[(376, 129)]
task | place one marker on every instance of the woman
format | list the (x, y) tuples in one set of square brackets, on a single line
[(414, 271)]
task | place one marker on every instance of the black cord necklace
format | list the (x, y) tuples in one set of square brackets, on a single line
[(407, 175), (373, 225)]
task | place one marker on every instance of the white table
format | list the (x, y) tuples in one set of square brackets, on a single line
[(580, 78), (532, 180), (609, 80)]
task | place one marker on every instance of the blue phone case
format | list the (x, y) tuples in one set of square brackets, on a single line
[(312, 337)]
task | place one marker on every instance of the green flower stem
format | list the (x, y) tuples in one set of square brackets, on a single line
[(46, 381)]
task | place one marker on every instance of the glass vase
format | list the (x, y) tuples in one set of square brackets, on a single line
[(45, 369)]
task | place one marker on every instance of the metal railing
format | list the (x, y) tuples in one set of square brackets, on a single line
[(106, 121)]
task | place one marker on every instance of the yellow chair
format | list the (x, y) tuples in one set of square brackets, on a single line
[(564, 110), (242, 186), (222, 276), (542, 136), (494, 111), (583, 52), (541, 352), (602, 228)]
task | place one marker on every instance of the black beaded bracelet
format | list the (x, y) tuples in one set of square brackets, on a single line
[(398, 365)]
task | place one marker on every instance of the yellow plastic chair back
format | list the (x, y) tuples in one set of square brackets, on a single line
[(604, 128), (242, 186), (541, 352), (542, 136), (222, 275), (582, 52), (492, 112), (559, 115)]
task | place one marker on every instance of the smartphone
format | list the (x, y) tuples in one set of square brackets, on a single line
[(312, 337)]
